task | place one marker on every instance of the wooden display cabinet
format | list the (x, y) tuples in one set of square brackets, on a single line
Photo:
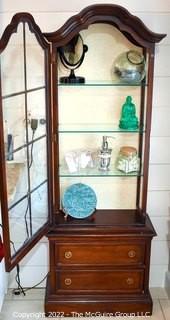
[(99, 265)]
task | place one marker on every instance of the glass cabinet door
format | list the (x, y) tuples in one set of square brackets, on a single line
[(24, 140)]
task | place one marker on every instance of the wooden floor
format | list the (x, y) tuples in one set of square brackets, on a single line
[(31, 306)]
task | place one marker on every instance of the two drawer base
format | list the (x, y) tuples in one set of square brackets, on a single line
[(99, 270), (98, 305)]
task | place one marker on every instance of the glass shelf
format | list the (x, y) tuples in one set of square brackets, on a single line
[(114, 83), (95, 128), (95, 172)]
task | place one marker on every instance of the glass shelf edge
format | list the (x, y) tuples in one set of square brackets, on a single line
[(101, 131), (96, 128), (100, 174), (102, 84)]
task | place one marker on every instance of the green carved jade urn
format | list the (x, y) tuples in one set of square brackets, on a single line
[(128, 118)]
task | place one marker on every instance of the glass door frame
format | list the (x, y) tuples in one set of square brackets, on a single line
[(12, 261)]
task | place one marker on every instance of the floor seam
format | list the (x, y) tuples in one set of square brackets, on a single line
[(164, 316)]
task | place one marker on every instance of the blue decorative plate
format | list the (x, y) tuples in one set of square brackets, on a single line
[(79, 201)]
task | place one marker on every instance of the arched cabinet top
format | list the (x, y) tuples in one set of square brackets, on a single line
[(13, 26), (131, 26)]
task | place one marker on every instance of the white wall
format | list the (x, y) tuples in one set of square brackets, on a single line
[(3, 277), (3, 282), (156, 15)]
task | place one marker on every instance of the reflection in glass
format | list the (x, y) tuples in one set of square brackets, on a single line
[(14, 125), (12, 64), (25, 223), (39, 203), (35, 60), (17, 181), (38, 162), (15, 147), (20, 224), (37, 110)]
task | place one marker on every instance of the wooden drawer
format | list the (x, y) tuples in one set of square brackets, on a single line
[(100, 280), (114, 254)]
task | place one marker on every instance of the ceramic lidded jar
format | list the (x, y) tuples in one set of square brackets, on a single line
[(128, 160)]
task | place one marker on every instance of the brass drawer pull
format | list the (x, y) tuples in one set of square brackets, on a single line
[(131, 253), (130, 281), (68, 254), (67, 281)]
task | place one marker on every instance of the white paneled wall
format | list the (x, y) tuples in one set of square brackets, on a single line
[(159, 174), (50, 15), (3, 277)]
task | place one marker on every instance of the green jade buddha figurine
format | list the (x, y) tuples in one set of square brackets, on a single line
[(128, 118)]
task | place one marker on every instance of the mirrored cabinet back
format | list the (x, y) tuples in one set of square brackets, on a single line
[(75, 121)]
